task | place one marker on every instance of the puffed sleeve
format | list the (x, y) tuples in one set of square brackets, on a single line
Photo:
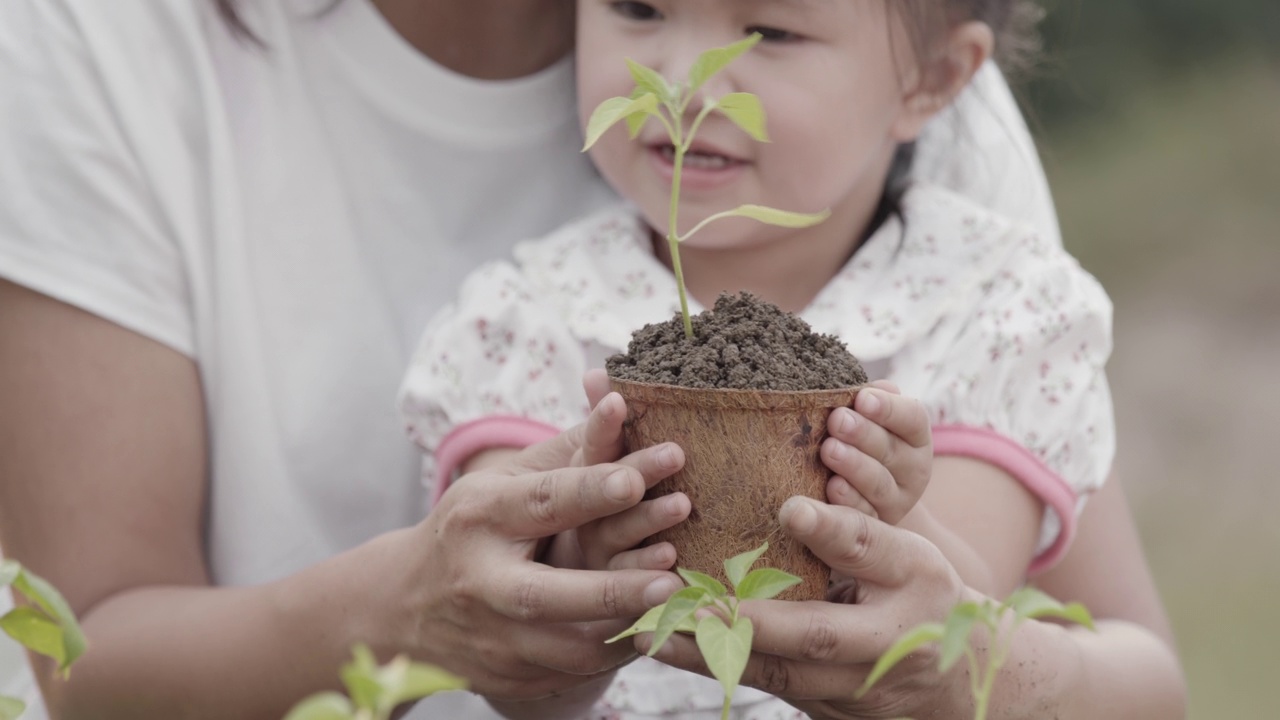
[(497, 368), (1019, 382)]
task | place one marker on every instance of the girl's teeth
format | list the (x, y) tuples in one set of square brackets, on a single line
[(697, 160)]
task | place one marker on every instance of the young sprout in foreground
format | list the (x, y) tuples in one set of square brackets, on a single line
[(668, 102), (375, 690), (46, 626), (1025, 604), (724, 637)]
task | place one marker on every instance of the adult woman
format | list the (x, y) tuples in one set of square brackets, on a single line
[(215, 266)]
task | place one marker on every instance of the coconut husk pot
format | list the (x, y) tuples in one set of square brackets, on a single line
[(746, 453)]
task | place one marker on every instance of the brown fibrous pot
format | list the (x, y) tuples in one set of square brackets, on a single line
[(746, 452)]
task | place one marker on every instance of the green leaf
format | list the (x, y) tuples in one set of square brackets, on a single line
[(769, 216), (421, 681), (647, 623), (766, 583), (612, 111), (323, 706), (716, 59), (736, 567), (649, 81), (47, 598), (680, 608), (915, 638), (958, 628), (704, 581), (11, 708), (745, 110), (9, 571), (36, 631), (781, 218), (362, 679), (725, 649), (1030, 603)]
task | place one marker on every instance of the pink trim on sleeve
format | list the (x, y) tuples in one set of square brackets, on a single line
[(992, 447), (487, 433)]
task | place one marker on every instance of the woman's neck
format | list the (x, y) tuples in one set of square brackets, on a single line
[(485, 39)]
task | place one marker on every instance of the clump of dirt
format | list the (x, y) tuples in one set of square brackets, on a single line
[(743, 343)]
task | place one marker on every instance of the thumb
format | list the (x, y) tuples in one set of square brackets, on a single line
[(596, 384), (857, 545)]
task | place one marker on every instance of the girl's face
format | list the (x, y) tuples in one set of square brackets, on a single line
[(830, 77)]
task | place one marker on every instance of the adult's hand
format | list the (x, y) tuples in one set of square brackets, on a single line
[(487, 610), (816, 654)]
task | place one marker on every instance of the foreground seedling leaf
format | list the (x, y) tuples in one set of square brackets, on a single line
[(421, 680), (35, 631), (736, 567), (11, 708), (958, 628), (704, 581), (48, 599), (325, 706), (915, 639), (766, 583), (680, 609), (9, 571), (1031, 603), (725, 649)]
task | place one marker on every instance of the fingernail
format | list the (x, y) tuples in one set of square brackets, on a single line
[(667, 457), (660, 590), (844, 421), (836, 449), (672, 505), (618, 486), (798, 515), (871, 405)]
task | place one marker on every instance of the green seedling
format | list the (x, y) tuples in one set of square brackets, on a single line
[(954, 636), (668, 102), (374, 691), (723, 636), (45, 626)]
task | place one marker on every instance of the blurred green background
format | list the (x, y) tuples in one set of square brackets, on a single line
[(1159, 123)]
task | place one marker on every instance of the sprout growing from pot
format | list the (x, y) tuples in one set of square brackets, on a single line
[(654, 96)]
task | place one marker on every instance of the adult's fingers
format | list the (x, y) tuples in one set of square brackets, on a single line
[(596, 384), (538, 505), (602, 442), (628, 529), (572, 648), (539, 594), (860, 546), (781, 676)]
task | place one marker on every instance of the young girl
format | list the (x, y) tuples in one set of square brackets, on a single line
[(995, 329)]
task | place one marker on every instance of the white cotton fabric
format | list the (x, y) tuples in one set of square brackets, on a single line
[(987, 323)]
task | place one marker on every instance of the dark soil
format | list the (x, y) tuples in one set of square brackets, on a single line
[(743, 343)]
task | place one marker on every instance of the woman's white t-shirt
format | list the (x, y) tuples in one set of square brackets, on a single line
[(290, 217)]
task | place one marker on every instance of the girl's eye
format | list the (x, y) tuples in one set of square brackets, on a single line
[(636, 10), (776, 35)]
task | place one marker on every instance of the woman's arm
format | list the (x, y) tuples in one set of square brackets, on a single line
[(103, 463)]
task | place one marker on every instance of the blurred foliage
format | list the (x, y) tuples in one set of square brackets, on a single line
[(1098, 52)]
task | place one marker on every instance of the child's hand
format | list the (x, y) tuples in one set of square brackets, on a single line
[(612, 543), (881, 452)]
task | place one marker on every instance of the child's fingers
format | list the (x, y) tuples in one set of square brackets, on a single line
[(902, 416), (865, 475), (595, 383), (605, 539), (840, 492)]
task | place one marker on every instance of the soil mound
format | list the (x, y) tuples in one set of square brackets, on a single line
[(743, 343)]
